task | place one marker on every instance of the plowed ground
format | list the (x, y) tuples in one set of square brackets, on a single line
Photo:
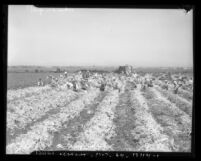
[(131, 120)]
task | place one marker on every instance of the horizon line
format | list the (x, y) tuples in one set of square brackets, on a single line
[(101, 66)]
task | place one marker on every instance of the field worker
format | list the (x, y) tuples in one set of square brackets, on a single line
[(143, 87), (181, 83), (120, 86), (65, 74), (191, 81), (134, 84), (165, 86), (75, 86), (145, 80), (40, 82), (116, 85), (137, 79), (85, 75), (150, 83), (84, 85), (175, 83), (177, 88), (102, 87)]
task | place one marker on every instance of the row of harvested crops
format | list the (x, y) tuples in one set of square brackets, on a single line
[(40, 134)]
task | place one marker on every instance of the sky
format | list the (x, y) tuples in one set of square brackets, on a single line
[(99, 36)]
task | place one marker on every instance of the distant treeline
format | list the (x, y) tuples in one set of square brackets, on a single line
[(142, 70), (21, 69)]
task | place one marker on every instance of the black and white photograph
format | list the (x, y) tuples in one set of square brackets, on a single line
[(99, 79)]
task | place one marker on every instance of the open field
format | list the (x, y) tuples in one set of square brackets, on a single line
[(123, 117), (22, 80)]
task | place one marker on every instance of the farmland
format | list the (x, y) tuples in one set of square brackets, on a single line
[(25, 79), (126, 116)]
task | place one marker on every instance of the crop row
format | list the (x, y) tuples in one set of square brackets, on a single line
[(41, 134)]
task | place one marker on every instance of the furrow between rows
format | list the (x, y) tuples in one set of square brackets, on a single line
[(183, 104), (147, 133), (28, 112), (67, 136), (175, 122), (100, 128), (41, 134), (124, 122)]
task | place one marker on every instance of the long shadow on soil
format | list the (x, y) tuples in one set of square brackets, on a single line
[(124, 121), (72, 128)]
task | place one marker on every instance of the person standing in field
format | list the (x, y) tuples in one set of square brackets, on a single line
[(102, 87), (177, 88), (65, 74), (177, 85), (40, 82)]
